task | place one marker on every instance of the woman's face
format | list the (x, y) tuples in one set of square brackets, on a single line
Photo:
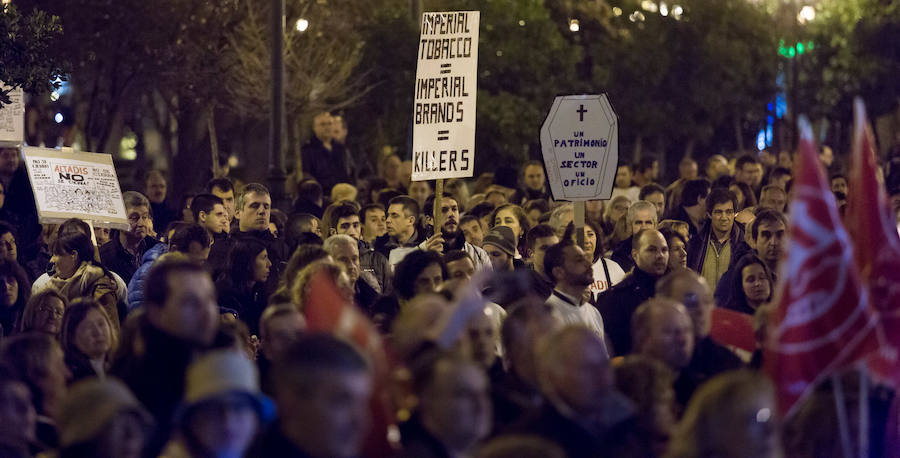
[(10, 291), (261, 267), (66, 264), (507, 218), (590, 242), (756, 283), (93, 336), (740, 196), (677, 253), (224, 426), (49, 316)]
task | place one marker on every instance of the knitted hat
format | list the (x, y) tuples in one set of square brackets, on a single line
[(501, 237), (224, 372), (90, 405)]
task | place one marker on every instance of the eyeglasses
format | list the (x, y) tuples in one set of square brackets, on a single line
[(48, 310)]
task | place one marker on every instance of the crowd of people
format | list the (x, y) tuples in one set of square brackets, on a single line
[(190, 333)]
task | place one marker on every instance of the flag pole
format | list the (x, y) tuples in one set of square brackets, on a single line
[(437, 214), (841, 407)]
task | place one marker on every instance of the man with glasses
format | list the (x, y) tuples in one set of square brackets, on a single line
[(720, 240)]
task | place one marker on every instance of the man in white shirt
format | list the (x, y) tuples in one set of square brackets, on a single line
[(571, 271)]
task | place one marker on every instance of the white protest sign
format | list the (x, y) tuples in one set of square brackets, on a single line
[(446, 82), (75, 185), (580, 145), (12, 117)]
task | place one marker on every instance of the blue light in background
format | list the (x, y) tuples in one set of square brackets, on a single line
[(761, 140)]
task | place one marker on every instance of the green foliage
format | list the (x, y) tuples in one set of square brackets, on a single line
[(25, 43)]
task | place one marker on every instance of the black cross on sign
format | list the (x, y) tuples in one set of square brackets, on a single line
[(581, 111)]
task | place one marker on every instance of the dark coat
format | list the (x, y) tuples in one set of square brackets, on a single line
[(622, 254), (419, 443), (20, 210), (682, 215), (696, 249), (247, 303), (219, 259), (328, 167), (512, 399), (623, 439), (376, 264), (163, 215), (114, 257), (617, 304), (272, 443)]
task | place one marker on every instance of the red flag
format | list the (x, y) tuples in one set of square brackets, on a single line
[(734, 329), (822, 321), (873, 228), (327, 310)]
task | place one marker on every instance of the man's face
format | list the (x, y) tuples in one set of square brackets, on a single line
[(256, 212), (349, 225), (323, 127), (428, 280), (473, 233), (839, 184), (643, 219), (540, 249), (623, 177), (375, 224), (688, 170), (461, 269), (671, 337), (190, 311), (8, 248), (770, 235), (751, 174), (774, 199), (653, 173), (652, 255), (457, 391), (716, 168), (216, 221), (585, 379), (280, 333), (348, 256), (722, 215), (139, 220), (577, 267), (339, 129), (658, 199), (398, 222), (228, 198), (9, 160), (483, 340), (450, 218), (332, 416), (156, 188), (500, 261), (534, 177), (698, 300), (619, 209)]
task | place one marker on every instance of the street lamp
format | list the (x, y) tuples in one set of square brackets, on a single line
[(302, 25), (806, 14), (574, 26)]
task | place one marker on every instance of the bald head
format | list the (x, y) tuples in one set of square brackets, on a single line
[(583, 379), (650, 252), (691, 290), (661, 328)]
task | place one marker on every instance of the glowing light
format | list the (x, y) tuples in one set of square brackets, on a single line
[(677, 11), (58, 118), (574, 26), (54, 96), (233, 161), (302, 25), (649, 5), (663, 9), (617, 11), (763, 415), (807, 14), (522, 22)]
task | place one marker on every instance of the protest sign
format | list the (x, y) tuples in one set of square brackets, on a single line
[(75, 185), (580, 145), (12, 118), (446, 82)]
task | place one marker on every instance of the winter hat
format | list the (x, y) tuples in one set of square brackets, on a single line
[(501, 237), (90, 405), (224, 372)]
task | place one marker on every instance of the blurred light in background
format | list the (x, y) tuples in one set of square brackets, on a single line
[(302, 25), (573, 25)]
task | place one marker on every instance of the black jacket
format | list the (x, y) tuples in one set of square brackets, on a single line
[(622, 254), (247, 303), (328, 167), (617, 304), (696, 249), (376, 264), (272, 443), (114, 257), (682, 215), (220, 255)]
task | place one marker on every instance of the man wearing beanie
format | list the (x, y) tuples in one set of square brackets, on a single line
[(500, 245)]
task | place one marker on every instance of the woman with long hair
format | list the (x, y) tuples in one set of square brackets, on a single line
[(244, 291), (88, 339), (513, 217), (607, 272), (14, 294), (78, 274), (751, 284), (43, 313)]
